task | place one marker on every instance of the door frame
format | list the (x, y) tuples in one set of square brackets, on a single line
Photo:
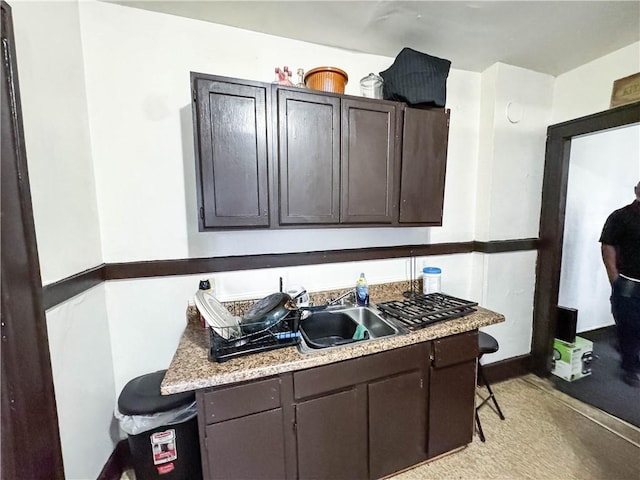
[(552, 217), (31, 446)]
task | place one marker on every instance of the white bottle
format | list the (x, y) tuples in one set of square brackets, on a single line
[(431, 280)]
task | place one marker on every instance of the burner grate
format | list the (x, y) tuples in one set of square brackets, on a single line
[(420, 311)]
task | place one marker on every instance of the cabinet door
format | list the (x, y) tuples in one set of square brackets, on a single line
[(368, 153), (397, 423), (452, 387), (332, 436), (424, 159), (451, 407), (247, 447), (230, 128), (309, 157)]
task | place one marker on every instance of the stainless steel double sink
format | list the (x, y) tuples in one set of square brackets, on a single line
[(339, 326)]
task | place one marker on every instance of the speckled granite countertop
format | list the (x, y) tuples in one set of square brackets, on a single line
[(191, 369)]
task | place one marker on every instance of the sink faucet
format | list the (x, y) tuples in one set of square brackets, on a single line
[(333, 301)]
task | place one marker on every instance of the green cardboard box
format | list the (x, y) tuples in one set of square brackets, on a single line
[(572, 361)]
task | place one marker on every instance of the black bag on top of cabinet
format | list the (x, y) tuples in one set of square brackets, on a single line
[(416, 78)]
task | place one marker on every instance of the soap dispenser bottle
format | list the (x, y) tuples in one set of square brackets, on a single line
[(362, 291)]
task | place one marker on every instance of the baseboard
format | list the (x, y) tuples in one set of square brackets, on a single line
[(508, 368), (118, 462)]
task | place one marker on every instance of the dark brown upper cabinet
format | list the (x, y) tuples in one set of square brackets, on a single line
[(368, 160), (281, 157), (230, 129), (424, 161), (309, 157), (336, 159)]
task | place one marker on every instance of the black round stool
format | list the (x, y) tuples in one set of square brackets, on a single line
[(486, 344)]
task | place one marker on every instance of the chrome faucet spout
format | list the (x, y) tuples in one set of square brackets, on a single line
[(340, 298)]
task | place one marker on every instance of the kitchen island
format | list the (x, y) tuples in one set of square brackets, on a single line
[(360, 411)]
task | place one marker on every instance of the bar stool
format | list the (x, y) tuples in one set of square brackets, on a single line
[(487, 344)]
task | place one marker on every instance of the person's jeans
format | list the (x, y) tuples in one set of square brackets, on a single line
[(625, 306)]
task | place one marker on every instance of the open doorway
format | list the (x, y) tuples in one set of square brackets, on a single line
[(604, 168), (552, 221)]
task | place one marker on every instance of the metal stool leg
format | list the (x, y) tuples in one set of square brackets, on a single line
[(491, 395), (484, 401), (479, 425)]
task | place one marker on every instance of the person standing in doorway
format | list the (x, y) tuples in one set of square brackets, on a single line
[(620, 241)]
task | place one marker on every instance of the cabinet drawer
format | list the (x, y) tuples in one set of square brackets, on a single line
[(237, 401), (455, 349), (318, 380)]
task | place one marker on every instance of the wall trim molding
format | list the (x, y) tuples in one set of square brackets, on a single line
[(62, 290), (507, 369), (58, 292)]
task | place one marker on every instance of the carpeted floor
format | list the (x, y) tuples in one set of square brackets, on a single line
[(604, 388), (546, 435)]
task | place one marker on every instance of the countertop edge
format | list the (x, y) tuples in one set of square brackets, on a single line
[(190, 368)]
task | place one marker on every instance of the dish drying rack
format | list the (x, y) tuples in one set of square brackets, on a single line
[(227, 340)]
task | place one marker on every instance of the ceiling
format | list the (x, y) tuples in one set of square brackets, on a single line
[(545, 36)]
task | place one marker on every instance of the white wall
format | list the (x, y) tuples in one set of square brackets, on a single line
[(516, 110), (57, 140), (592, 182), (514, 115), (136, 129), (82, 367), (140, 114), (120, 56), (154, 309), (508, 283), (57, 137), (603, 170), (587, 89)]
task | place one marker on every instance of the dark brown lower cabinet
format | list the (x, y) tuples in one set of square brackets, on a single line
[(452, 392), (247, 447), (331, 436), (367, 415), (362, 418), (246, 430), (397, 423)]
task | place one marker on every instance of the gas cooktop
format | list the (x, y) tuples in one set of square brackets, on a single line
[(420, 311)]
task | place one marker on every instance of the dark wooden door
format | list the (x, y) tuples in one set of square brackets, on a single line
[(424, 160), (247, 447), (309, 158), (332, 436), (230, 128), (397, 423), (30, 440), (368, 153)]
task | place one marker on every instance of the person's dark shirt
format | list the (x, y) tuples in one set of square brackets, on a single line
[(622, 231)]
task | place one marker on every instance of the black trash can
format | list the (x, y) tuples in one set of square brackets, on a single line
[(162, 430)]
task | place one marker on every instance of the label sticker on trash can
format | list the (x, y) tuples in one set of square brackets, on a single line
[(163, 445)]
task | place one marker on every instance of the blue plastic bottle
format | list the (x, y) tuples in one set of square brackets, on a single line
[(362, 291)]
